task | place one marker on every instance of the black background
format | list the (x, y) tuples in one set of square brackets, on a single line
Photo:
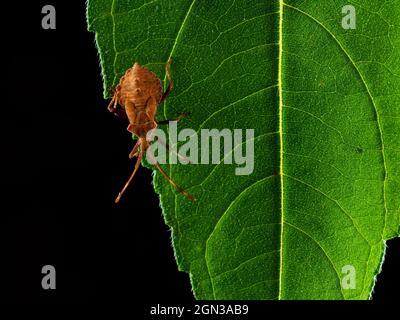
[(64, 158)]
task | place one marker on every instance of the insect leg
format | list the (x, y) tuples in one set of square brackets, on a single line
[(181, 116), (170, 85), (166, 176), (166, 145), (131, 177), (134, 152), (112, 105)]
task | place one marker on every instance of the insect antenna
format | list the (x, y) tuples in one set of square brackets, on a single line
[(139, 158)]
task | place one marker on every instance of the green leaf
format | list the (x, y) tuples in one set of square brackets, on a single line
[(325, 106)]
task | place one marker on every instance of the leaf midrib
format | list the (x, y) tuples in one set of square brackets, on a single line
[(280, 41)]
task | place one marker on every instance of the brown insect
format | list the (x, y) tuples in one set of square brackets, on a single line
[(139, 93)]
